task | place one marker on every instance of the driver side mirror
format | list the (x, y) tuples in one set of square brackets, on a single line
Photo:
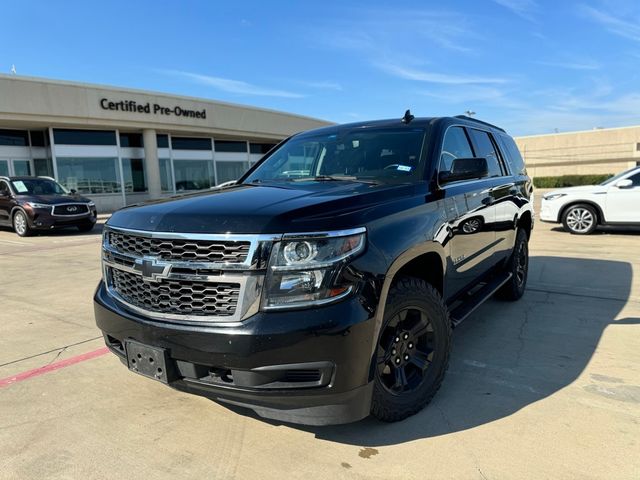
[(626, 183), (73, 191), (465, 169)]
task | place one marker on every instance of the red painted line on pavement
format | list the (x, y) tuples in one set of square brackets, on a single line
[(5, 382)]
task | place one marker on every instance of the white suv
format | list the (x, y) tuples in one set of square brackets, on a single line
[(581, 209)]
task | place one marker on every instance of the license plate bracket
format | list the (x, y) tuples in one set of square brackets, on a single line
[(148, 361)]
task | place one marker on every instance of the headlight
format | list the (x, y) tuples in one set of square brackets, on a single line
[(38, 205), (553, 196), (91, 204), (304, 269)]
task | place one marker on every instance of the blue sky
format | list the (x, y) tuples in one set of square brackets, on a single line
[(532, 66)]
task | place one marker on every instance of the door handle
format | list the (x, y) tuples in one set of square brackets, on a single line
[(503, 186)]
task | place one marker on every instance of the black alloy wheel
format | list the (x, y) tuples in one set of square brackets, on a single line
[(405, 351), (412, 352)]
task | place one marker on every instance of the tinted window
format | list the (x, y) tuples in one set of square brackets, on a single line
[(37, 138), (163, 140), (226, 146), (4, 188), (84, 137), (260, 148), (131, 140), (484, 149), (635, 179), (455, 145), (188, 143), (513, 155), (14, 138)]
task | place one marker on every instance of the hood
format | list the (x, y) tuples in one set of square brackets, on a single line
[(578, 190), (272, 208), (53, 199)]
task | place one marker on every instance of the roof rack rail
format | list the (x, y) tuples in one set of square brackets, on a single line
[(471, 119)]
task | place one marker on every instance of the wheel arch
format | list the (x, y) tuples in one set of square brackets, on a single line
[(425, 261), (591, 203)]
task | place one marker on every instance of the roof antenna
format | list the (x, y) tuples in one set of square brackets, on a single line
[(407, 117)]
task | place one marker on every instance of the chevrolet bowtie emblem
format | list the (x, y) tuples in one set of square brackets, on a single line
[(152, 270)]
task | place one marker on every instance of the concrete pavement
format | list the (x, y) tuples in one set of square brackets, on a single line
[(548, 387)]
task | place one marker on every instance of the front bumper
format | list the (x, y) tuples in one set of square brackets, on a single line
[(307, 366), (42, 219), (550, 210)]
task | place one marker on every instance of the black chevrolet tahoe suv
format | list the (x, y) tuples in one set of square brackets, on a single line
[(324, 284)]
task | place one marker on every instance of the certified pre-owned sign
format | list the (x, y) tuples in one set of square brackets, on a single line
[(150, 108)]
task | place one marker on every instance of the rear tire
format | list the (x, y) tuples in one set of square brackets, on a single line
[(412, 352), (580, 219), (21, 224), (518, 266)]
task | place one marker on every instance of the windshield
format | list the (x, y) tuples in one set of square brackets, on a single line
[(617, 177), (38, 186), (380, 155)]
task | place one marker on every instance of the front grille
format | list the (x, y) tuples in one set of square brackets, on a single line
[(222, 251), (75, 209), (177, 297)]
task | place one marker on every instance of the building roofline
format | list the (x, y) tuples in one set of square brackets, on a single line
[(114, 88), (578, 131)]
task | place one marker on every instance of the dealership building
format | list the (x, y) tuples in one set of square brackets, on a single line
[(120, 146)]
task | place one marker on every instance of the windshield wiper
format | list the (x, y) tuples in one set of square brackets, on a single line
[(332, 178)]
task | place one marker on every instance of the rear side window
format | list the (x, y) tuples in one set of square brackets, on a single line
[(513, 156), (455, 145), (485, 149), (635, 179)]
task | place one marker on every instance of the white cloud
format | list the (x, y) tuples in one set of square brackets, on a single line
[(572, 65), (433, 77), (391, 29), (625, 28), (322, 85), (522, 8), (232, 86)]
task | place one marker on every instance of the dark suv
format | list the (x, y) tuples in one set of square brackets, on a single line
[(40, 203), (324, 285)]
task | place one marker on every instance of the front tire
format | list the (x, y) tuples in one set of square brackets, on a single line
[(412, 352), (518, 266), (580, 219), (21, 224)]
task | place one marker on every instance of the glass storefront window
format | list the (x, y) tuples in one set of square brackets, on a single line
[(193, 174), (89, 175), (166, 180), (162, 140), (230, 146), (84, 137), (43, 167), (228, 171), (4, 168), (133, 172), (22, 168), (260, 148), (38, 138), (133, 140), (14, 138), (190, 143)]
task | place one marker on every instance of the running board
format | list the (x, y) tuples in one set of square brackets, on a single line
[(460, 313)]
